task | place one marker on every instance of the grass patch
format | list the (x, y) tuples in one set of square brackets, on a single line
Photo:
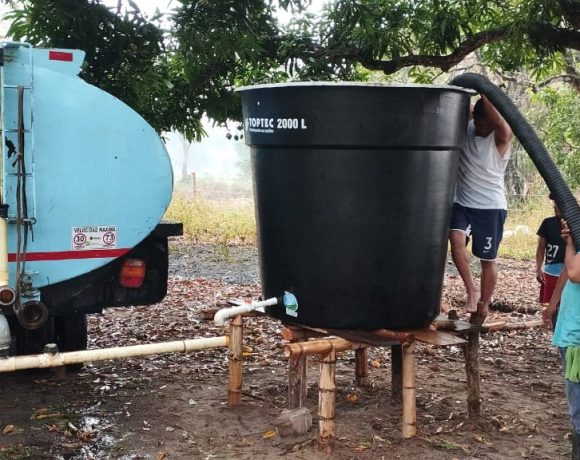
[(233, 222), (520, 239), (210, 222)]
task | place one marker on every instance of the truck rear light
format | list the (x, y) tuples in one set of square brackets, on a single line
[(132, 273), (7, 296), (60, 56)]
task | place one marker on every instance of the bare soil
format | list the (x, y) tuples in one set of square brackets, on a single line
[(173, 406)]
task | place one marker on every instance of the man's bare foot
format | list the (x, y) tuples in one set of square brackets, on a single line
[(478, 317), (471, 302)]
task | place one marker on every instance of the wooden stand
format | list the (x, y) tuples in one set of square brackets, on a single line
[(403, 367), (303, 341)]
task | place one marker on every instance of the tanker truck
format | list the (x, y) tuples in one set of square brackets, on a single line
[(84, 185)]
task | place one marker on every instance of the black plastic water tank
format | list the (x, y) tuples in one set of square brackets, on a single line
[(353, 185)]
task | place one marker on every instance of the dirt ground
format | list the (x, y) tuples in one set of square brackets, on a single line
[(173, 406)]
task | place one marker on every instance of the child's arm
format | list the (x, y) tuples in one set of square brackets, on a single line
[(572, 258), (540, 251), (549, 311)]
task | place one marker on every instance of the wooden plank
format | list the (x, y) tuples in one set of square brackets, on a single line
[(378, 337), (434, 337)]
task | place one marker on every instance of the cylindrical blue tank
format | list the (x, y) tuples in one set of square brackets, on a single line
[(353, 185)]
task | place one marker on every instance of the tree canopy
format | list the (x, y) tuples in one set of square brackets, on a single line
[(175, 67)]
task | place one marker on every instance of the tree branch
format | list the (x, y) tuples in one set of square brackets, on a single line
[(442, 62), (571, 79)]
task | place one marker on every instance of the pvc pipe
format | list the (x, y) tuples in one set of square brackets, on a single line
[(16, 363), (3, 252), (225, 313), (5, 338)]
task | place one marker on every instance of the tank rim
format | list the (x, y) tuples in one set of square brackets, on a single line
[(332, 84)]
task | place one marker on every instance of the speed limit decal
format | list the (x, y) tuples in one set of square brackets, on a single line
[(94, 237)]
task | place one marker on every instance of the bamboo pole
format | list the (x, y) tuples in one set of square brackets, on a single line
[(396, 373), (45, 360), (327, 401), (409, 392), (235, 362), (471, 353), (493, 326), (514, 326), (361, 367), (322, 347)]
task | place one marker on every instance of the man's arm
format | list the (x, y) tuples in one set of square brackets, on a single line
[(502, 131)]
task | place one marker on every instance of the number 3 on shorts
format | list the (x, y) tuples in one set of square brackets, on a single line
[(488, 244)]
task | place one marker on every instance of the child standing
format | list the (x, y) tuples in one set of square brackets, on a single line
[(549, 254)]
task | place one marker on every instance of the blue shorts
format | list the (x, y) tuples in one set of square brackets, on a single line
[(485, 226)]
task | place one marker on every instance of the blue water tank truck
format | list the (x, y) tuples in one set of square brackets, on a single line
[(85, 182)]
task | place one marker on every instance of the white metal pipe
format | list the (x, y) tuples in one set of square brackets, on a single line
[(16, 363), (3, 252), (220, 317), (5, 338)]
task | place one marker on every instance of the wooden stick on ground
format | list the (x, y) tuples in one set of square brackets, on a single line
[(327, 401), (235, 362), (409, 392), (471, 353)]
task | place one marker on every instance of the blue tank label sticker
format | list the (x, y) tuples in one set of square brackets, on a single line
[(291, 304)]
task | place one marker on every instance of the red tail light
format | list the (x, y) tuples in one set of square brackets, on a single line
[(132, 273)]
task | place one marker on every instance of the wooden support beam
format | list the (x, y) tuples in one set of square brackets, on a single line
[(471, 353), (235, 361), (327, 402), (361, 367), (396, 373), (297, 380), (409, 392)]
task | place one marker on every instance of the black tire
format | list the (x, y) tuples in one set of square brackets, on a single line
[(71, 334)]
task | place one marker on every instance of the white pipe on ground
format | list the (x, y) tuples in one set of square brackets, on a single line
[(5, 338), (220, 317), (44, 360)]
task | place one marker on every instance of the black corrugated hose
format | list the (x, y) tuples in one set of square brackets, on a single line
[(532, 144)]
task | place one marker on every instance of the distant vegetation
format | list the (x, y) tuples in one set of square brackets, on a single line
[(223, 214)]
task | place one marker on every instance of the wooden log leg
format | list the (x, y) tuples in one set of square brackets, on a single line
[(326, 402), (471, 353), (235, 362), (396, 372), (361, 367), (409, 392), (296, 381)]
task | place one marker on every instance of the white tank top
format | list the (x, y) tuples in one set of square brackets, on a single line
[(480, 182)]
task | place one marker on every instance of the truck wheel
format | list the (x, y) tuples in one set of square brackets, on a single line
[(71, 335)]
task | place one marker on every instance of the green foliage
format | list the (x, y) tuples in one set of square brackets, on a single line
[(124, 54), (554, 113), (173, 77)]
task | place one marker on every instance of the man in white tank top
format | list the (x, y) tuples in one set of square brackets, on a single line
[(480, 206)]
